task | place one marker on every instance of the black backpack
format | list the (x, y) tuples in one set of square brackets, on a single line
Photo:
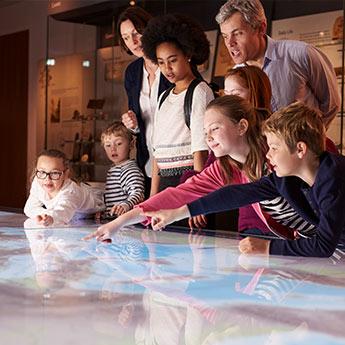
[(188, 99)]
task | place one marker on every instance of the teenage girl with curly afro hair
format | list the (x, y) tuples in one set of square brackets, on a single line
[(177, 44)]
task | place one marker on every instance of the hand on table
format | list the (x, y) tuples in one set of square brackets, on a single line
[(44, 219), (252, 245), (197, 222)]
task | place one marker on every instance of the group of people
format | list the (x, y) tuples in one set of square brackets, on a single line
[(280, 170)]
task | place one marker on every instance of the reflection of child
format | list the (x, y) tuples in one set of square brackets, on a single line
[(125, 181), (54, 197), (53, 251)]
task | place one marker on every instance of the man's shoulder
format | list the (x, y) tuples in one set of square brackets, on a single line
[(288, 46)]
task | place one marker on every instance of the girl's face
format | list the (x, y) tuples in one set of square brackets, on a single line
[(117, 148), (51, 174), (172, 62), (222, 135), (131, 37), (232, 86)]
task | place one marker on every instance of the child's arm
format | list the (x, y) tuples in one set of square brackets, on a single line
[(209, 180), (329, 230), (105, 231), (155, 178), (223, 199), (33, 206), (199, 159), (133, 184), (160, 219)]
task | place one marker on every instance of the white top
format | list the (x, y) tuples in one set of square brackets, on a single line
[(148, 103), (71, 198), (173, 142)]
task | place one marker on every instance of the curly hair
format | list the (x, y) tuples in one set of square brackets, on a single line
[(183, 31), (138, 16)]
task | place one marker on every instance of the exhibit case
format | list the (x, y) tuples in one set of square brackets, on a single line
[(81, 93)]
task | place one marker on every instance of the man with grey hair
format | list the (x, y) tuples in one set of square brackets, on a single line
[(297, 70)]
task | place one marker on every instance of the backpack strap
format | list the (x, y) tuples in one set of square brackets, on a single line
[(188, 100), (165, 95)]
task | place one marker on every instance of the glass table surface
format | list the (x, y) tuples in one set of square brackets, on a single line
[(169, 287)]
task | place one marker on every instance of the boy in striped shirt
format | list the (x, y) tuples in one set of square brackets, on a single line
[(124, 186)]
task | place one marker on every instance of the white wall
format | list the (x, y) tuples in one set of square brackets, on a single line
[(32, 16)]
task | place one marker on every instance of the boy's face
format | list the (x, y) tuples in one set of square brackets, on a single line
[(282, 160), (117, 148)]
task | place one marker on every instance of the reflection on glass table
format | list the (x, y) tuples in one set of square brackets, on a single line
[(162, 288)]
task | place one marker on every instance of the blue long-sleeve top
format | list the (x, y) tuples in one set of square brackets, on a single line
[(323, 205)]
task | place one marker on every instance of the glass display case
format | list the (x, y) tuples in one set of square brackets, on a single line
[(83, 94)]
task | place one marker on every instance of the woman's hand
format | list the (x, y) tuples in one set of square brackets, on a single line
[(160, 219), (129, 119)]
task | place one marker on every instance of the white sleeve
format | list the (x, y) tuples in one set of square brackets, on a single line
[(34, 206), (67, 203), (202, 95)]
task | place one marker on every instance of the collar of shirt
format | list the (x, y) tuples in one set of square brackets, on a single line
[(270, 53)]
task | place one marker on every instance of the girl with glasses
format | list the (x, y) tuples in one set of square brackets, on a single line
[(54, 198)]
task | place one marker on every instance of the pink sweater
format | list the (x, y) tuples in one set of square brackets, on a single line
[(209, 180)]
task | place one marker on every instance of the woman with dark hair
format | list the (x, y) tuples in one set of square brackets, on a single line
[(178, 44), (143, 82)]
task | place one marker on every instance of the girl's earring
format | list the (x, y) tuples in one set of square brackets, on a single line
[(188, 60)]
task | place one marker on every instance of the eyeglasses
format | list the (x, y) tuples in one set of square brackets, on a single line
[(53, 175)]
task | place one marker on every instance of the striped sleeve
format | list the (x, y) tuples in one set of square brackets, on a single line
[(132, 183)]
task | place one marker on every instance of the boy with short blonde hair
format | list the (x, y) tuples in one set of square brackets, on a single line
[(125, 182), (310, 179), (298, 123)]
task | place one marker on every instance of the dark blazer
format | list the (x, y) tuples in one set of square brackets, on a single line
[(133, 82)]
